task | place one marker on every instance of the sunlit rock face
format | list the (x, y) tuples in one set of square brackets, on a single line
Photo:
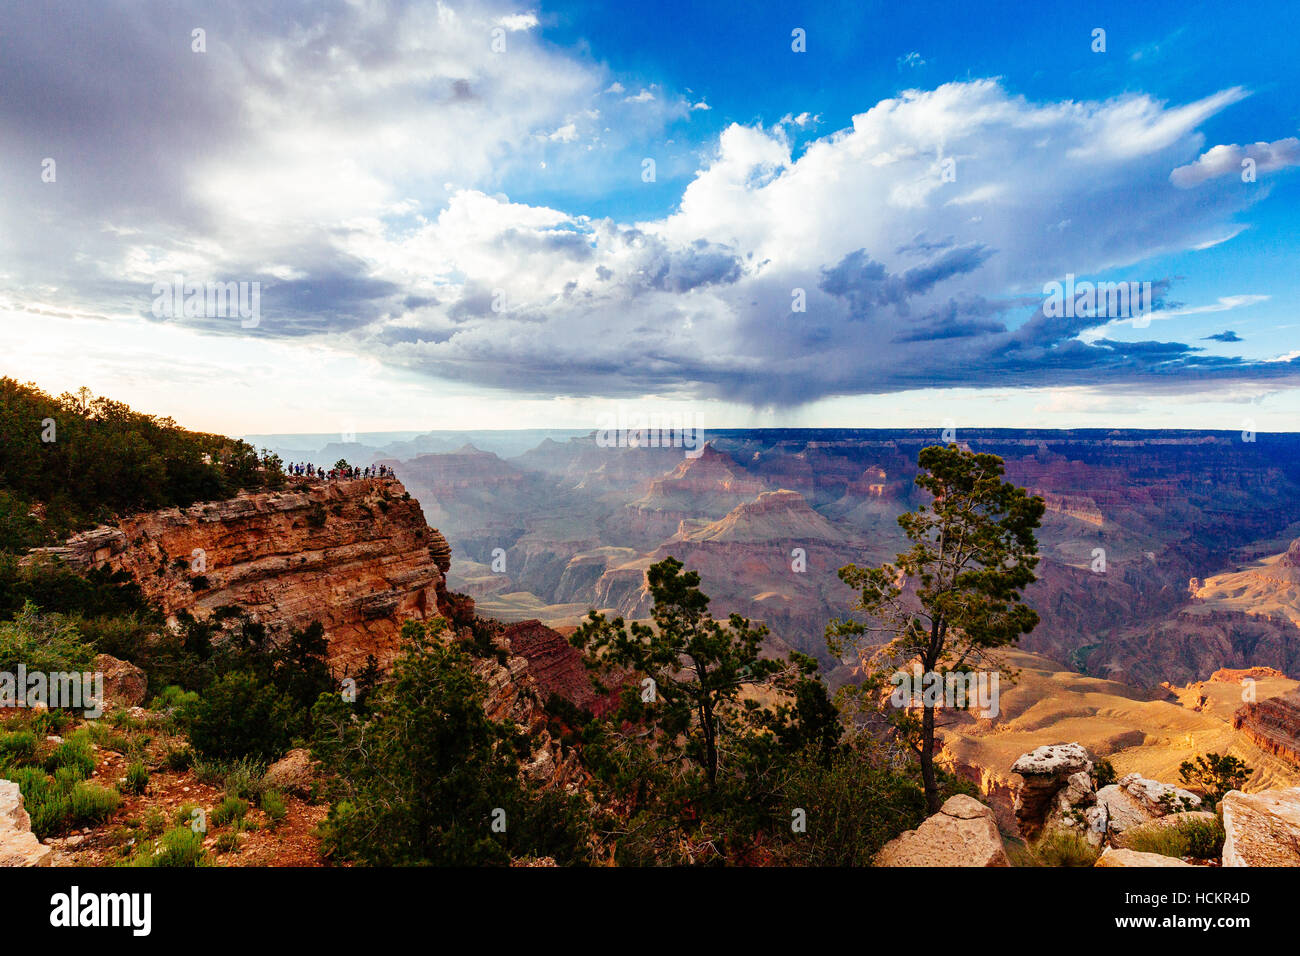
[(355, 555)]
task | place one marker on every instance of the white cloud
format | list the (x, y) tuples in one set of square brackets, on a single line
[(1228, 160), (565, 134), (518, 21)]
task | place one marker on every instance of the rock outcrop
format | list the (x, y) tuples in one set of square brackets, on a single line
[(293, 773), (18, 845), (1059, 791), (125, 685), (513, 695), (355, 555), (963, 833), (557, 668), (1273, 725), (1046, 772), (1131, 802), (1261, 829)]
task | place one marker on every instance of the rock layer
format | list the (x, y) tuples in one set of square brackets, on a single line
[(355, 555), (1273, 725)]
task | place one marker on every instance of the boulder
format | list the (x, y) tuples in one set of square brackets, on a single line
[(18, 845), (124, 684), (1134, 801), (1045, 772), (1112, 857), (1261, 829), (293, 773), (963, 833)]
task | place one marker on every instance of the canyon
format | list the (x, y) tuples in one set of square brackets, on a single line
[(1166, 559), (1167, 562)]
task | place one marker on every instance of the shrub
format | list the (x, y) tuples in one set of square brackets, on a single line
[(1106, 774), (239, 778), (230, 809), (419, 781), (855, 803), (1214, 775), (154, 823), (92, 803), (179, 759), (1059, 847), (17, 747), (184, 815), (46, 803), (42, 642), (137, 778), (228, 842), (273, 805), (76, 753), (179, 846), (1196, 838), (240, 716), (173, 698), (107, 739)]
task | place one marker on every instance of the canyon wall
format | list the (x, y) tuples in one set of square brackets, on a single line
[(355, 555), (1273, 725)]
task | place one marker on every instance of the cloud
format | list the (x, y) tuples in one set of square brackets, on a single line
[(1225, 336), (912, 60), (366, 163), (1231, 160)]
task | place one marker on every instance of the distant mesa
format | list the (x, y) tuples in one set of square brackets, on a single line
[(773, 516)]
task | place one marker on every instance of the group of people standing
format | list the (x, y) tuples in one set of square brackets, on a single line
[(306, 469)]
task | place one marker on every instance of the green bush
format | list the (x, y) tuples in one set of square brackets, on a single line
[(228, 810), (42, 642), (1058, 847), (1195, 838), (239, 715), (155, 822), (137, 778), (47, 804), (419, 782), (179, 759), (91, 803), (274, 806), (243, 779), (228, 842), (17, 747), (76, 753), (179, 846), (173, 698)]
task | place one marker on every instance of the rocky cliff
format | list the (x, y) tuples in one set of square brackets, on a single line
[(1273, 725), (355, 555)]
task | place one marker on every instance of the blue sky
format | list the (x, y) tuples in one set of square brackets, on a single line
[(445, 210)]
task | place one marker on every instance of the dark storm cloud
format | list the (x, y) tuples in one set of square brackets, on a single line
[(867, 286)]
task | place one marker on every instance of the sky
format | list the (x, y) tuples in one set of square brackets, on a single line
[(487, 215)]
